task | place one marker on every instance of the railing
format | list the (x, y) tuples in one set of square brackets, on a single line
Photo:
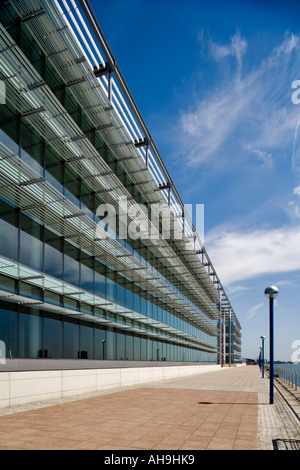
[(289, 376)]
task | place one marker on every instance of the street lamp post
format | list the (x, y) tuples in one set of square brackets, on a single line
[(263, 355), (271, 293)]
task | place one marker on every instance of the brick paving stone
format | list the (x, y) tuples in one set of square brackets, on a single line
[(226, 410)]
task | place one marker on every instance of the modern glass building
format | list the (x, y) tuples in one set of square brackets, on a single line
[(86, 268)]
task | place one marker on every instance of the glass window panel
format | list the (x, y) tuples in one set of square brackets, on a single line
[(159, 314), (8, 330), (129, 347), (71, 197), (110, 289), (129, 298), (110, 345), (99, 312), (34, 164), (163, 352), (71, 339), (53, 260), (31, 249), (71, 303), (154, 311), (99, 343), (87, 278), (8, 284), (30, 291), (100, 284), (121, 355), (149, 350), (121, 294), (52, 337), (137, 348), (157, 351), (86, 308), (137, 303), (86, 342), (30, 335), (71, 270), (52, 298), (53, 179), (143, 349), (149, 312), (143, 306), (9, 240), (12, 128)]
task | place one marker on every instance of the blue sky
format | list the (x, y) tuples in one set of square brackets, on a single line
[(213, 82)]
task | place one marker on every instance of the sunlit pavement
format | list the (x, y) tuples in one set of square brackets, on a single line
[(213, 410)]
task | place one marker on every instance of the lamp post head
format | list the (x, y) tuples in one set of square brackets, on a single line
[(271, 292), (262, 337)]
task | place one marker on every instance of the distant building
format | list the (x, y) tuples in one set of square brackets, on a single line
[(73, 283)]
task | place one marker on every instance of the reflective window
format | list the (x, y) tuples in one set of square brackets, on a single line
[(99, 284), (110, 345), (121, 294), (8, 331), (71, 339), (121, 355), (53, 259), (71, 303), (8, 284), (52, 337), (53, 298), (129, 347), (9, 240), (87, 278), (86, 342), (30, 334), (31, 250), (71, 270), (129, 298), (143, 349), (136, 348), (99, 343), (31, 291), (110, 288)]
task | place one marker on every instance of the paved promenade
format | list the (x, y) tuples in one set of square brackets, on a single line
[(222, 410)]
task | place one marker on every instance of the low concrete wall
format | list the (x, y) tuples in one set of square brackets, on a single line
[(19, 388)]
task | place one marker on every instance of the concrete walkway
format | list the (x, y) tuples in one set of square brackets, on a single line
[(213, 410)]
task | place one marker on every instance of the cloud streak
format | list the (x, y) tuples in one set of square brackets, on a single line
[(252, 311), (241, 255), (249, 118), (253, 107), (236, 48)]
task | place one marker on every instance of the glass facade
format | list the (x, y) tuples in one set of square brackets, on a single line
[(65, 292)]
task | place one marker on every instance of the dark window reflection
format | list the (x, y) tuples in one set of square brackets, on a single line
[(71, 340), (30, 335), (8, 331), (52, 338)]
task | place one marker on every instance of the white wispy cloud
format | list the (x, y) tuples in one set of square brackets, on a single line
[(241, 255), (249, 116), (297, 190), (213, 120), (296, 151), (252, 107), (290, 43), (236, 289), (252, 311), (265, 157), (293, 207), (236, 48)]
